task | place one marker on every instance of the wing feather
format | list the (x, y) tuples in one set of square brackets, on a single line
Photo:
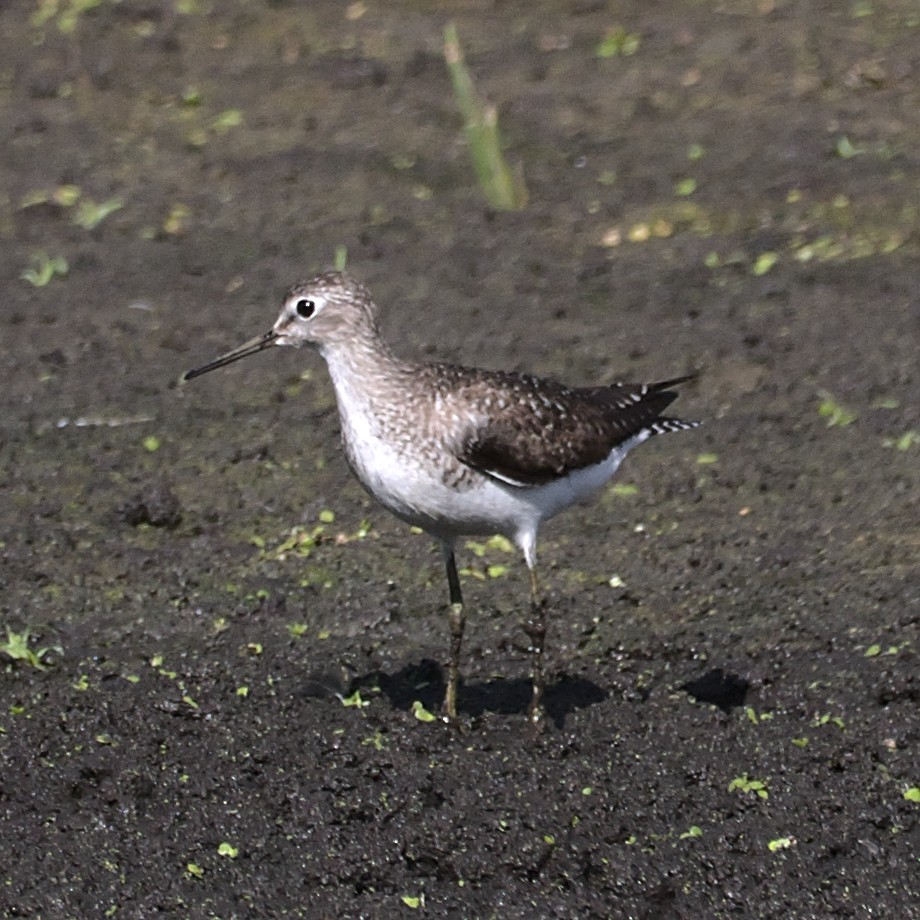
[(532, 431)]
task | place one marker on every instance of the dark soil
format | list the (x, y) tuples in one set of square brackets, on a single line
[(733, 652)]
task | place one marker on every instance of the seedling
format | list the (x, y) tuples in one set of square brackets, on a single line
[(836, 413), (764, 262), (744, 783), (503, 190), (780, 843), (17, 648), (354, 700), (230, 118), (480, 549), (89, 214), (44, 268), (421, 713), (618, 41), (905, 442), (64, 12)]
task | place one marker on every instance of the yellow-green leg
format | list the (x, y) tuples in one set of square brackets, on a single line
[(457, 621), (536, 632)]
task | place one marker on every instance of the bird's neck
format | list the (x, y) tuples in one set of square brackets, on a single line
[(364, 369)]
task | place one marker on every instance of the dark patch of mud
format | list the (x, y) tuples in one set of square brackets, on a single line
[(734, 726)]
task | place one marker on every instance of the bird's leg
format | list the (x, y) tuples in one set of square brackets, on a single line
[(456, 620), (536, 632)]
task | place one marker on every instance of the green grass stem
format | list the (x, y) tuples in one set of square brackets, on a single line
[(504, 190)]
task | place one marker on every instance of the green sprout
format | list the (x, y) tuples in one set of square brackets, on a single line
[(827, 719), (617, 41), (64, 12), (89, 214), (230, 118), (755, 717), (421, 713), (340, 260), (17, 648), (780, 843), (905, 442), (846, 149), (764, 262), (44, 268), (744, 783), (354, 700), (836, 413), (504, 191)]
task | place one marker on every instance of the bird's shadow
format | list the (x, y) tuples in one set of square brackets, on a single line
[(425, 682)]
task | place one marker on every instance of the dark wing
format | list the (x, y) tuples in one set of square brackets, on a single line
[(539, 430)]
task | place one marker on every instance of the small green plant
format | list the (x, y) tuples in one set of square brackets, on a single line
[(64, 12), (491, 570), (780, 843), (846, 149), (354, 701), (421, 713), (836, 413), (229, 118), (757, 717), (89, 214), (17, 648), (617, 42), (43, 268), (764, 262), (504, 191), (905, 442), (744, 783)]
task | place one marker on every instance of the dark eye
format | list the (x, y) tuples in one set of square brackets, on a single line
[(304, 308)]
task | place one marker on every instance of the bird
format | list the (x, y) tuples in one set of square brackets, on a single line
[(462, 451)]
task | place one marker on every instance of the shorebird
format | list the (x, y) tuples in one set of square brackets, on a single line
[(460, 451)]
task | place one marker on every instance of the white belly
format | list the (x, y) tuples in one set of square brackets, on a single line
[(407, 484)]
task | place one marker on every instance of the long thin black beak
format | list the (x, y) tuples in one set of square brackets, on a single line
[(251, 347)]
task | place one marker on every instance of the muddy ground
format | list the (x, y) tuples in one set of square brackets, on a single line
[(733, 652)]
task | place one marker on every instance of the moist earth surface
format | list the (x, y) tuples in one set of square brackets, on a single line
[(220, 655)]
